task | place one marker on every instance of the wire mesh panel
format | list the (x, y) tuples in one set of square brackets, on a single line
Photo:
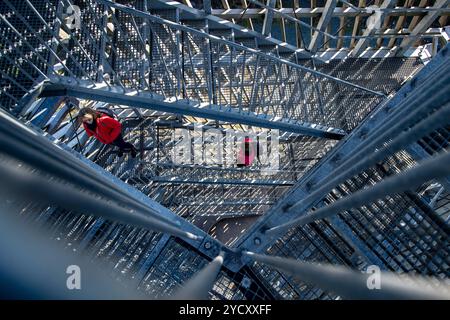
[(24, 43), (385, 75), (406, 232), (317, 242), (82, 47)]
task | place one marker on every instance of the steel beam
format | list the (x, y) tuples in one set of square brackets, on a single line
[(418, 153), (202, 282), (399, 24), (436, 121), (352, 284), (362, 43), (207, 6), (434, 168), (268, 18), (222, 181), (422, 26), (325, 19), (318, 11), (184, 107), (35, 187), (34, 268), (154, 254)]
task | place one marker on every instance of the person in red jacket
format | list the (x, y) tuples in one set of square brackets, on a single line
[(105, 129)]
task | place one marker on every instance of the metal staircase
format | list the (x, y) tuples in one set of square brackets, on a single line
[(345, 127)]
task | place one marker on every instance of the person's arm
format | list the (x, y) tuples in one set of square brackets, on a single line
[(114, 128), (88, 131)]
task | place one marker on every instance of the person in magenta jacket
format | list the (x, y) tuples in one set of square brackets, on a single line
[(105, 129), (247, 153)]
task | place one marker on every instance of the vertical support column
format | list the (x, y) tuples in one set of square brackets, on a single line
[(363, 42), (178, 48), (361, 4), (207, 6), (322, 25), (57, 26), (103, 40), (268, 19)]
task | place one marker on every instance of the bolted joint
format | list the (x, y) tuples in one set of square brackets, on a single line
[(337, 157), (285, 208), (309, 185), (257, 241), (363, 134)]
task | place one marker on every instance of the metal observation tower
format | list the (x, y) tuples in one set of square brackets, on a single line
[(347, 102)]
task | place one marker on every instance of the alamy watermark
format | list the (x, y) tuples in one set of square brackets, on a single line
[(227, 148), (72, 17), (74, 279), (374, 278)]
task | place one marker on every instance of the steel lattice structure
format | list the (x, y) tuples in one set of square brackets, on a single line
[(363, 175)]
